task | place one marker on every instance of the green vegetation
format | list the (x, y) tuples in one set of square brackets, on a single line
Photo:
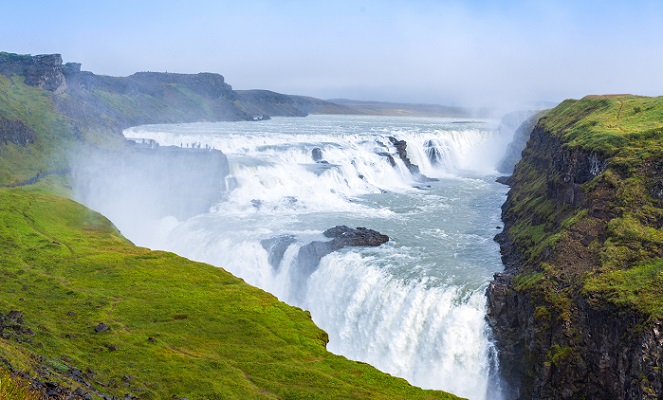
[(176, 327), (606, 123), (640, 287)]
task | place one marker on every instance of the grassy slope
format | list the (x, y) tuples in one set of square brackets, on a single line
[(176, 327), (611, 250)]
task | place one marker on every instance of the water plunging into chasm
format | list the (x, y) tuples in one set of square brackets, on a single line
[(413, 307)]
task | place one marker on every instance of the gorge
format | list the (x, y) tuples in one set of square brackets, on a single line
[(576, 312)]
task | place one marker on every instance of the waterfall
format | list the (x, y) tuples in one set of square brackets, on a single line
[(413, 307)]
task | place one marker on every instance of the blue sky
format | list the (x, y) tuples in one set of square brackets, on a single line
[(449, 52)]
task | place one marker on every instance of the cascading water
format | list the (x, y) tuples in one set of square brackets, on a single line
[(413, 307)]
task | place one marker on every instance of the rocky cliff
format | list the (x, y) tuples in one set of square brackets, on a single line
[(43, 71), (104, 105), (577, 312)]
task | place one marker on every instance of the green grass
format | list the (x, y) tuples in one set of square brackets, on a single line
[(640, 287), (180, 328), (606, 123)]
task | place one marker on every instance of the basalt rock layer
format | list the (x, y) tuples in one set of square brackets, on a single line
[(577, 312)]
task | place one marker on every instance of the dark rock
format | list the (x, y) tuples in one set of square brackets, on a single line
[(276, 248), (504, 180), (112, 347), (309, 256), (101, 328), (316, 154), (256, 203), (15, 317), (151, 339), (401, 150)]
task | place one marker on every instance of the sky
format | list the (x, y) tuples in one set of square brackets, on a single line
[(471, 53)]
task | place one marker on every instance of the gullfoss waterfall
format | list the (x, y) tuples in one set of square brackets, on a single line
[(413, 307)]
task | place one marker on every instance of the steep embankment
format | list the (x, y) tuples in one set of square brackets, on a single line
[(83, 312), (577, 312)]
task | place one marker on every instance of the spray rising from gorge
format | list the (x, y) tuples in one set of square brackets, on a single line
[(413, 307)]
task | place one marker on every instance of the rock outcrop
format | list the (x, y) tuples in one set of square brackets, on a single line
[(309, 255), (565, 327), (401, 151), (43, 71), (276, 248)]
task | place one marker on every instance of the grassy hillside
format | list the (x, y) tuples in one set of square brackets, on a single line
[(175, 327)]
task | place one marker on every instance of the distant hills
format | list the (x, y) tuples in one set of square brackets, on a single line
[(276, 104)]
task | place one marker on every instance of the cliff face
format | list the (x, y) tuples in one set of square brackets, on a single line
[(265, 102), (577, 311), (43, 71), (103, 105)]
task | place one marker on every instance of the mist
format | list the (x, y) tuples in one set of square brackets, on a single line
[(143, 186)]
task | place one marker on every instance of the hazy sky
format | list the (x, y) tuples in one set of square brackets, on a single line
[(450, 52)]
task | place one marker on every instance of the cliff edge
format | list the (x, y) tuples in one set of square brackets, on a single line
[(577, 312)]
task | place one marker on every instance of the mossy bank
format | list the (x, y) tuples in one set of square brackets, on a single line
[(577, 312), (86, 314)]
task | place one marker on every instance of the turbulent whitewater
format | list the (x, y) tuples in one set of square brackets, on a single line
[(413, 307)]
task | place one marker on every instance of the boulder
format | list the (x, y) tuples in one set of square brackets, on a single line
[(309, 256), (316, 154)]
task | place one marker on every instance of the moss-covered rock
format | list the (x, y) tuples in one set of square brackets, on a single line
[(577, 311)]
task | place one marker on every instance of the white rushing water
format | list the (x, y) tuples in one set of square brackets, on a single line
[(413, 307)]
